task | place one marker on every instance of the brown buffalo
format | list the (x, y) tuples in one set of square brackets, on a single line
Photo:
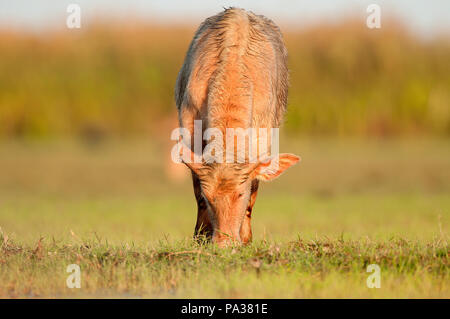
[(234, 76)]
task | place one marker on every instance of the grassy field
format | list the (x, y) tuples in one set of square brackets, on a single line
[(112, 210), (78, 185)]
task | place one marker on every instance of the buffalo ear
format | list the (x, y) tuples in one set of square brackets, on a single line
[(275, 166)]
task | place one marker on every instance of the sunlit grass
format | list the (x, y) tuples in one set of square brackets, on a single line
[(297, 269), (112, 210)]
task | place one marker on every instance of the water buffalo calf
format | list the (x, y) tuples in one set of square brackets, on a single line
[(234, 76)]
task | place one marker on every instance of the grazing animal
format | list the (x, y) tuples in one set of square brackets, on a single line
[(234, 76)]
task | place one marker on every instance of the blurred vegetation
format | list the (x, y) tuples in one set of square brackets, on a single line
[(119, 80)]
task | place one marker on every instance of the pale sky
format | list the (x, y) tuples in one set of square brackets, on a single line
[(421, 16)]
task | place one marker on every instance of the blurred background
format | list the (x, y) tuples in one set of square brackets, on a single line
[(115, 75), (86, 115)]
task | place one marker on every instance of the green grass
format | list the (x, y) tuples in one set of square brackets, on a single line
[(113, 211), (296, 269)]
